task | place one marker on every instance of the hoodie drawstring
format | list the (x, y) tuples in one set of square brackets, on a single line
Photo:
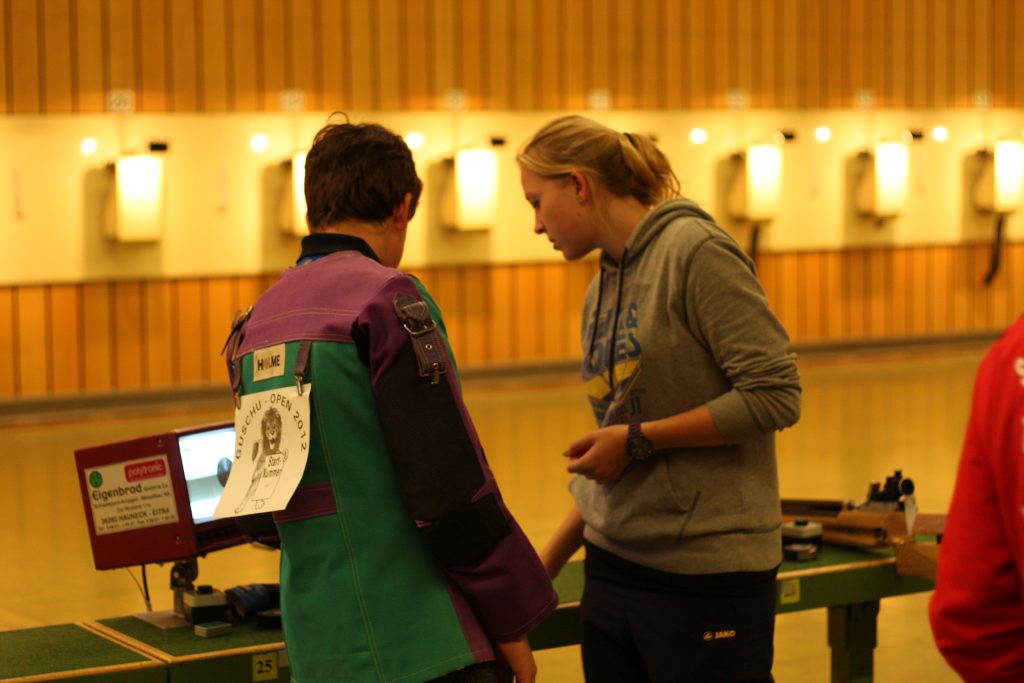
[(615, 323)]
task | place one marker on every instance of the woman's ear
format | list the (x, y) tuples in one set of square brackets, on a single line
[(581, 186)]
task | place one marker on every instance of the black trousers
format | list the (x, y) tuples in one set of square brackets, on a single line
[(645, 626), (486, 672)]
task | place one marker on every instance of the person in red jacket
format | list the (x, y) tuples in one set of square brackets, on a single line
[(977, 610)]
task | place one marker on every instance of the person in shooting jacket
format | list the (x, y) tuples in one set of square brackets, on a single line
[(400, 561)]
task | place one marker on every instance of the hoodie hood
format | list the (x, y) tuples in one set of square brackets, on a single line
[(654, 223)]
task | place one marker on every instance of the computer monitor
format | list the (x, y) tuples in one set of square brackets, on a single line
[(152, 499)]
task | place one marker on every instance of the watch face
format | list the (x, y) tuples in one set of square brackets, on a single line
[(638, 447)]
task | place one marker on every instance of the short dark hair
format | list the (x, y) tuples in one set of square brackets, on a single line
[(358, 171)]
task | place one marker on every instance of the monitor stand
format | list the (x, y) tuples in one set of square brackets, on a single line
[(183, 576)]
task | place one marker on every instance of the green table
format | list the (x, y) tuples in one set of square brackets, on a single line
[(850, 582), (73, 652), (245, 654)]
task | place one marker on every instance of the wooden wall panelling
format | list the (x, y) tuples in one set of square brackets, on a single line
[(746, 43), (623, 31), (56, 56), (87, 58), (858, 75), (498, 78), (97, 337), (939, 281), (477, 323), (835, 48), (962, 290), (811, 299), (192, 334), (6, 61), (981, 40), (183, 92), (361, 60), (391, 51), (24, 54), (551, 55), (160, 335), (120, 47), (941, 55), (1016, 31), (718, 60), (270, 46), (577, 49), (128, 365), (977, 295), (447, 291), (1000, 53), (878, 62), (959, 37), (832, 292), (222, 297), (504, 316), (674, 47), (879, 275), (304, 42), (66, 327), (32, 309), (811, 60), (652, 35), (599, 60), (8, 344), (528, 323), (791, 306), (551, 298), (334, 22), (916, 307), (241, 21), (919, 69), (446, 51), (1015, 267), (525, 79), (248, 290), (472, 63), (767, 57), (899, 298), (153, 67), (417, 89), (793, 70), (212, 56), (999, 290)]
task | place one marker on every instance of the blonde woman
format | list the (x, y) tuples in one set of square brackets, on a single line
[(689, 375)]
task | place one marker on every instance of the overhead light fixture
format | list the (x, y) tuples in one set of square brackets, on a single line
[(88, 146), (259, 143), (414, 140), (940, 133), (823, 134), (698, 136)]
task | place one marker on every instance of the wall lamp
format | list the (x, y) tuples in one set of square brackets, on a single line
[(470, 199), (882, 191), (999, 190), (292, 218), (756, 189), (135, 211)]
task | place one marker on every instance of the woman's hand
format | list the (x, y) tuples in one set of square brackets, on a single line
[(518, 657), (600, 455)]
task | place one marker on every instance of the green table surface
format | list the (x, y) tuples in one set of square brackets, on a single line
[(31, 652), (183, 642)]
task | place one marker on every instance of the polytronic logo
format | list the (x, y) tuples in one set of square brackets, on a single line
[(145, 470)]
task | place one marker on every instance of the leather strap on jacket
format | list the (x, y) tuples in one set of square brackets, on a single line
[(426, 342), (230, 349), (308, 501)]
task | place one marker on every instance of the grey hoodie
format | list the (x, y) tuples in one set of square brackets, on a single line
[(693, 327)]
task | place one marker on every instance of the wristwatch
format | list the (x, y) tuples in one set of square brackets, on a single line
[(638, 446)]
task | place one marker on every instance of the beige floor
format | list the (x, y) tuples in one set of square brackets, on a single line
[(864, 416)]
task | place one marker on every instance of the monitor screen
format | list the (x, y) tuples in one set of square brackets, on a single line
[(206, 460)]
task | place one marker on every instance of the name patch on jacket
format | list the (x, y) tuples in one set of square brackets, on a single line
[(268, 362), (271, 448)]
